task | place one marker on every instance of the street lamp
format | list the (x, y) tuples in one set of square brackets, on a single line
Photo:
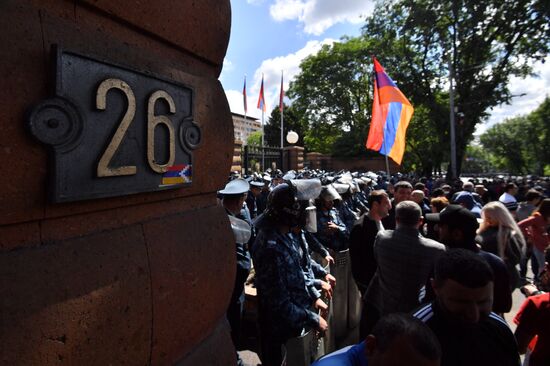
[(292, 137)]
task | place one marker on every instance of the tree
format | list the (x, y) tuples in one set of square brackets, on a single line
[(292, 121), (483, 42), (332, 93), (520, 144), (478, 161), (254, 139)]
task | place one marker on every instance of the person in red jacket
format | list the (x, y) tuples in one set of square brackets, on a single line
[(535, 228), (533, 320)]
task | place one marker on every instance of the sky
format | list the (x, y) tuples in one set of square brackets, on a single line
[(270, 36)]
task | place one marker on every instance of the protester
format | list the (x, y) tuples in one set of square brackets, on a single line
[(468, 187), (535, 229), (533, 320), (402, 192), (418, 197), (508, 198), (483, 193), (466, 199), (527, 207), (499, 234), (456, 228), (437, 204), (392, 272), (461, 318), (405, 260), (394, 339), (363, 264)]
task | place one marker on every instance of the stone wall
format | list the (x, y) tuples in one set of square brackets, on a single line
[(141, 279), (362, 164), (293, 158)]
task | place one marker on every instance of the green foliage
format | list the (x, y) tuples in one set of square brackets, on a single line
[(254, 139), (487, 42), (520, 145), (332, 93), (292, 121), (477, 161)]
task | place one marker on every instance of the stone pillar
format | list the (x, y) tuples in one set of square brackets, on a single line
[(293, 158), (136, 277), (314, 160), (237, 157)]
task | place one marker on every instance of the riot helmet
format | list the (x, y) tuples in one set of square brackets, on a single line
[(287, 202)]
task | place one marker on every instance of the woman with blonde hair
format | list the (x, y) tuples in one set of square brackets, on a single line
[(499, 234)]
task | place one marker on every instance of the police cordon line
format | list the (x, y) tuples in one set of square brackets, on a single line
[(293, 234)]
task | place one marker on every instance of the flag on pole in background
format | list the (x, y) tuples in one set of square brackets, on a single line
[(391, 113), (281, 95), (244, 96), (261, 98)]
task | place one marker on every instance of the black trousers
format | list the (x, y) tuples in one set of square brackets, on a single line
[(235, 309), (369, 317)]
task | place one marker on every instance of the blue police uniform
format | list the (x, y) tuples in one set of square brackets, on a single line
[(312, 270), (337, 241), (345, 209), (285, 303)]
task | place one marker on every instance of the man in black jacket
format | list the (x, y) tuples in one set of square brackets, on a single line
[(362, 238), (457, 227), (460, 316)]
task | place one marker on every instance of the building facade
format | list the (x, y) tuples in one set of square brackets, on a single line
[(243, 127)]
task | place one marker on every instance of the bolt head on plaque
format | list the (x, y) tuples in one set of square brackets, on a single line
[(56, 122)]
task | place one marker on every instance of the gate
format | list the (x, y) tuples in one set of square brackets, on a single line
[(252, 159)]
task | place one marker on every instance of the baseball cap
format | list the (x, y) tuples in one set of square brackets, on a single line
[(457, 217)]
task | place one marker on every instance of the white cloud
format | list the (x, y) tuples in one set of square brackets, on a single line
[(255, 2), (319, 15), (271, 69), (228, 67), (535, 88)]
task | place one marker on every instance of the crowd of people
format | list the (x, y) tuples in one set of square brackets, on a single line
[(436, 263)]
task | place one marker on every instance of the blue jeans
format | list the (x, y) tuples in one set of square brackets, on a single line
[(538, 255)]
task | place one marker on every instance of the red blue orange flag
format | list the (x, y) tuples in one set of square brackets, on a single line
[(391, 113), (261, 98), (244, 97)]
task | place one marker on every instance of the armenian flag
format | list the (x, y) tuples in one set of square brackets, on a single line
[(391, 113), (261, 98)]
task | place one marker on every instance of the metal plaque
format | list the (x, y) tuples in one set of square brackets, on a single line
[(114, 131)]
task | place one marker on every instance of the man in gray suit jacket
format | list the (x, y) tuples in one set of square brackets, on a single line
[(405, 260)]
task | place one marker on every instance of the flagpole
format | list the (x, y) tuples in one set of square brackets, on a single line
[(282, 124), (281, 109), (263, 147), (244, 99), (387, 166)]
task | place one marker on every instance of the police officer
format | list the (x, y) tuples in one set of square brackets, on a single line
[(331, 230), (233, 197), (285, 306), (253, 195)]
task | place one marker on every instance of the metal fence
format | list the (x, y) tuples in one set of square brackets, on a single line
[(253, 155)]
